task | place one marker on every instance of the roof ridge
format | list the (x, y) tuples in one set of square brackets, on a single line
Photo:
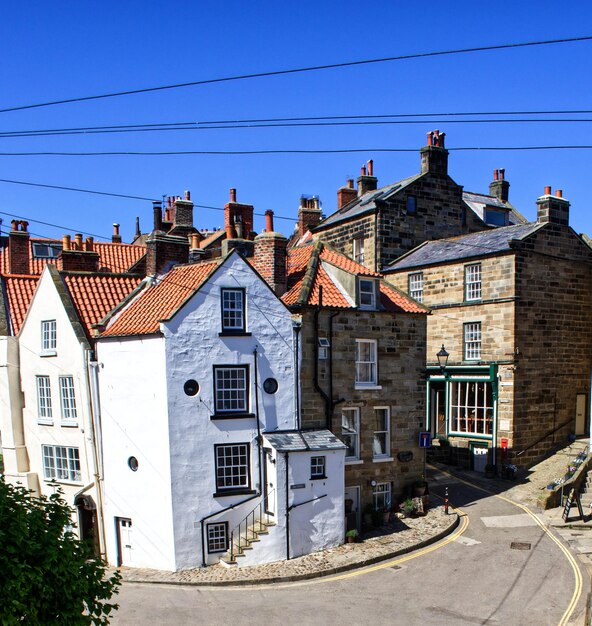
[(311, 272)]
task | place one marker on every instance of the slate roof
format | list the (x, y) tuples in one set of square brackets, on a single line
[(299, 441), (160, 301), (478, 201), (307, 272), (19, 292), (463, 247), (113, 257), (366, 203)]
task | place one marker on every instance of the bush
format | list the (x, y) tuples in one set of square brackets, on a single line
[(47, 575)]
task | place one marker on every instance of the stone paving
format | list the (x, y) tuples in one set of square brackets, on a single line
[(398, 537)]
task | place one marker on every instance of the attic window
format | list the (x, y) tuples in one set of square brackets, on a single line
[(496, 218), (411, 205), (46, 250), (324, 346), (367, 294)]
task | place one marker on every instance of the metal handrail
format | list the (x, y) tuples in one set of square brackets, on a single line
[(244, 533), (551, 432)]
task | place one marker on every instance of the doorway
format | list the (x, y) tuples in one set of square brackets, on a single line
[(581, 402), (353, 519), (87, 521), (480, 457), (123, 528), (438, 409)]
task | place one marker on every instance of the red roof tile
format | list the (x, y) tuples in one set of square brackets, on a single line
[(340, 260), (96, 294), (19, 293), (113, 257), (160, 301), (397, 302)]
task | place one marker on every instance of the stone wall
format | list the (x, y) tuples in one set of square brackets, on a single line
[(401, 359)]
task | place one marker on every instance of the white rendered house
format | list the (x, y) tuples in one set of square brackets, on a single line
[(199, 401)]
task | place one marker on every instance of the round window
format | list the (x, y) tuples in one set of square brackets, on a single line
[(270, 385), (191, 387), (133, 463)]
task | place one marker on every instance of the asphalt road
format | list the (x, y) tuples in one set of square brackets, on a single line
[(479, 578)]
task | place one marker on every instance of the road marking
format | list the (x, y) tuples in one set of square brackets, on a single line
[(576, 570), (509, 521)]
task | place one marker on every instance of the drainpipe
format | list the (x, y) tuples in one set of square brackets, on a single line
[(297, 329), (92, 381), (287, 458), (259, 438), (326, 398)]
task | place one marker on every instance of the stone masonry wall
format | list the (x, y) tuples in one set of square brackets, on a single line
[(341, 237), (401, 359)]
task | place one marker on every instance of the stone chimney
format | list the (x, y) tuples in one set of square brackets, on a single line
[(183, 217), (236, 213), (434, 157), (271, 256), (499, 187), (554, 209), (116, 237), (366, 180), (78, 256), (163, 249), (346, 194), (309, 214), (18, 247)]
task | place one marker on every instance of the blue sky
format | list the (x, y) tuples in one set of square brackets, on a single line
[(65, 49)]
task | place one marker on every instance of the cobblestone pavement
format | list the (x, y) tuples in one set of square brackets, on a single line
[(397, 538)]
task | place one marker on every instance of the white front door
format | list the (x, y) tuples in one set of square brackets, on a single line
[(125, 541), (581, 414)]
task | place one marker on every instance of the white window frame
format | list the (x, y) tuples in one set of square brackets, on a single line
[(367, 293), (386, 433), (44, 408), (239, 475), (48, 338), (68, 401), (61, 463), (318, 465), (232, 302), (217, 534), (366, 369), (473, 282), (230, 397), (358, 249), (382, 496), (471, 408), (349, 436), (416, 286), (472, 341)]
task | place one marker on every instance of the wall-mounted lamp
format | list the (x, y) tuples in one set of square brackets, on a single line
[(442, 357)]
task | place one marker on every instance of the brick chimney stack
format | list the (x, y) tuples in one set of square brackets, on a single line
[(116, 237), (78, 256), (164, 249), (309, 214), (553, 209), (346, 194), (18, 247), (434, 157), (234, 213), (499, 187), (182, 215), (271, 256), (366, 180)]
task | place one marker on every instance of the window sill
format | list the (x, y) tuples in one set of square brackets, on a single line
[(45, 353), (382, 459), (69, 423), (234, 333), (44, 422), (469, 435), (354, 462), (234, 492), (55, 481), (361, 387), (232, 416)]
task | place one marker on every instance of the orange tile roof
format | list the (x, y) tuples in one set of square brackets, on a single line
[(19, 293), (113, 257), (345, 263), (95, 295), (210, 239), (160, 301), (396, 301)]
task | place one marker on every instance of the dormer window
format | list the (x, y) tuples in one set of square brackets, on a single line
[(367, 293), (496, 217), (46, 250)]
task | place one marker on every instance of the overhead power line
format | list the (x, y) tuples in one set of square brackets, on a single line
[(289, 151), (312, 68), (98, 193)]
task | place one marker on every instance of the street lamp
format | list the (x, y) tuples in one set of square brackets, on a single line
[(442, 357)]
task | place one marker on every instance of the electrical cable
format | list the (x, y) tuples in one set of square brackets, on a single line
[(298, 70)]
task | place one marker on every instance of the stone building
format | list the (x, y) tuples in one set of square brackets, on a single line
[(363, 355), (511, 307), (374, 226)]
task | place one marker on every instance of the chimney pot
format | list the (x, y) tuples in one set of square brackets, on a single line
[(350, 183), (188, 195), (14, 225), (116, 229), (194, 241), (502, 173), (89, 244), (78, 241), (66, 242), (269, 221), (495, 174), (232, 194), (157, 210), (430, 139), (559, 193), (370, 167), (547, 191), (363, 170)]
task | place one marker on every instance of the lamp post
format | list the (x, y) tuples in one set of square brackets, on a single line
[(442, 357)]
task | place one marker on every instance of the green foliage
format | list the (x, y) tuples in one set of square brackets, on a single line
[(47, 576)]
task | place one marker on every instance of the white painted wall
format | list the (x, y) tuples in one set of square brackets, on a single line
[(68, 361), (193, 347), (132, 380)]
